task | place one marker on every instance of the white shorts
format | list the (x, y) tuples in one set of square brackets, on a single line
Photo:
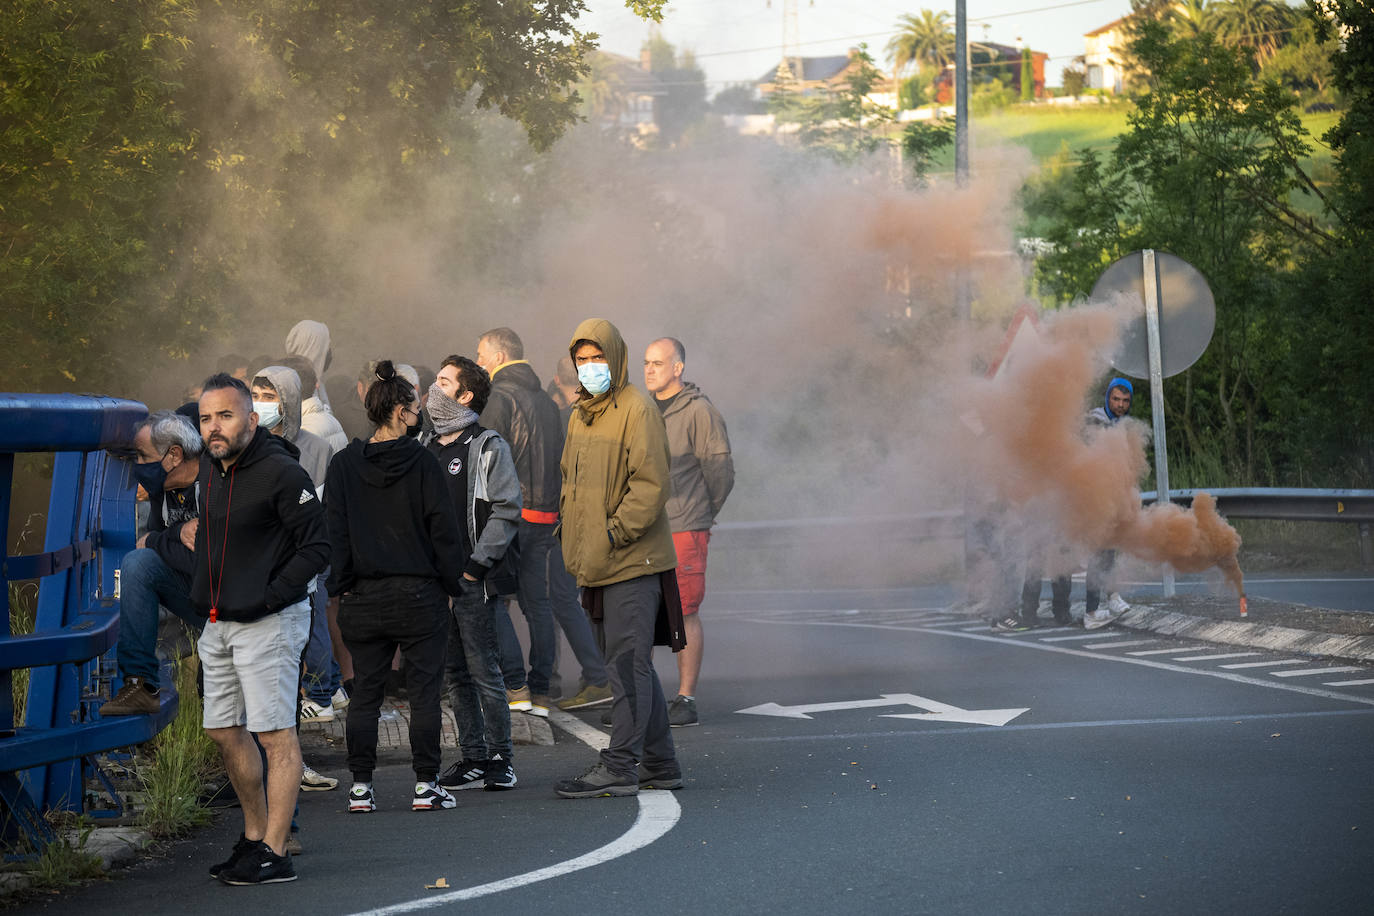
[(253, 670)]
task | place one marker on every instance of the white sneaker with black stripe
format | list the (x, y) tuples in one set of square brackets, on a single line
[(360, 798), (430, 796)]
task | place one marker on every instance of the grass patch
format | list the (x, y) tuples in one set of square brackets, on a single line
[(23, 612), (175, 765), (65, 861)]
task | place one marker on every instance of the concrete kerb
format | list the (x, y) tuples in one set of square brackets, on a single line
[(115, 847), (1249, 634)]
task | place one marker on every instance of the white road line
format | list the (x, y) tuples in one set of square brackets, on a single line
[(1071, 638), (1270, 664), (1209, 658), (658, 813), (981, 626), (1367, 680), (949, 623), (1310, 672), (1120, 645), (1166, 651), (1098, 656)]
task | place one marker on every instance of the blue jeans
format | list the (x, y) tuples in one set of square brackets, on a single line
[(547, 592), (322, 674), (145, 582), (476, 688)]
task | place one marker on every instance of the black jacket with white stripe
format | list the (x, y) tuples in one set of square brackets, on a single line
[(261, 537)]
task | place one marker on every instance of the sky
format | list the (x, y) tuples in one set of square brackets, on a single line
[(740, 40)]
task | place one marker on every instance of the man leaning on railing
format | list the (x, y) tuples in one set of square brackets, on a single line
[(158, 571)]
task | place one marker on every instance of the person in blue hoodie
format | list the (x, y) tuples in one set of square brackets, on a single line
[(1116, 403)]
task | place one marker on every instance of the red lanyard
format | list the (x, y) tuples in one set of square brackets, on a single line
[(217, 581)]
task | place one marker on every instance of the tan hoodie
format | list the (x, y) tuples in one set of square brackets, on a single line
[(615, 476)]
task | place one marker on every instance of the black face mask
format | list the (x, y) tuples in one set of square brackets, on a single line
[(413, 431), (152, 477)]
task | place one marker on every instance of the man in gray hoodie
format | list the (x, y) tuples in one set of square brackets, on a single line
[(702, 473), (276, 394)]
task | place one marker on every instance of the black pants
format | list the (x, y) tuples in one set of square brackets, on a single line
[(1030, 597), (639, 714), (378, 617)]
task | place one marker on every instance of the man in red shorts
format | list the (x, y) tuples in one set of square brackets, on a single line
[(702, 474)]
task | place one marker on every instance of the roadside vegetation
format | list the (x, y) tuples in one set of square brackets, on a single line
[(175, 767)]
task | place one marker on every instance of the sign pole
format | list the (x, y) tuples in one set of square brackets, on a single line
[(1157, 395)]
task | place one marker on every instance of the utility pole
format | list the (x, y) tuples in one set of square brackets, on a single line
[(961, 92), (790, 67)]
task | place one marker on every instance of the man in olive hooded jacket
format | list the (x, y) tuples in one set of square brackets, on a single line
[(618, 545)]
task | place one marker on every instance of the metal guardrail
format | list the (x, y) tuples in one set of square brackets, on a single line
[(1291, 504), (90, 526)]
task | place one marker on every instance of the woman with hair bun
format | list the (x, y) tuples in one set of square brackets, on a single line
[(396, 557)]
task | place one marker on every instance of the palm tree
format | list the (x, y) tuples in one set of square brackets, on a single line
[(924, 39), (1193, 17), (1257, 24)]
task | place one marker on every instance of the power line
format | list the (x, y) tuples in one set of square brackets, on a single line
[(866, 35)]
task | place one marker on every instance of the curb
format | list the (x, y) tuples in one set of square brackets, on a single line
[(1251, 635), (115, 847)]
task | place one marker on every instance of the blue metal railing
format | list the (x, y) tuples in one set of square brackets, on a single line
[(90, 526)]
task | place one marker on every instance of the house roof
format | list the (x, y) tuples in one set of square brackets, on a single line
[(814, 69), (633, 78), (1116, 23)]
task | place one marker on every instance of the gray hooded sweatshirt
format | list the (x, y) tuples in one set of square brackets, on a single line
[(315, 452), (310, 339)]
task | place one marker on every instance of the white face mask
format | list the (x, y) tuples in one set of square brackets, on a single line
[(269, 413)]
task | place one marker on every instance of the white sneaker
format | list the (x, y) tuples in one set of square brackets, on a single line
[(340, 700), (314, 712), (1098, 618), (430, 796), (316, 782), (360, 798), (1116, 604)]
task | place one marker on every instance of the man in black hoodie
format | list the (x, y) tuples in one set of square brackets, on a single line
[(259, 541)]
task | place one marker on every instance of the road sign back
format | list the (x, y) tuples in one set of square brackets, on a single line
[(1187, 312)]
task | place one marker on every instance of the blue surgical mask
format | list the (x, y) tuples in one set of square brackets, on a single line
[(269, 413), (595, 377)]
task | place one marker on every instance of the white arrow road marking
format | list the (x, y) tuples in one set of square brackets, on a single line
[(658, 813), (936, 711)]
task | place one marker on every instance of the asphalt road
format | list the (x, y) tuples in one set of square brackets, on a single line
[(1144, 775)]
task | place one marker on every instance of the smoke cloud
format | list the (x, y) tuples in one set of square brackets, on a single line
[(817, 303)]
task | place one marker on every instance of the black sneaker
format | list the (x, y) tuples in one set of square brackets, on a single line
[(598, 782), (682, 712), (465, 774), (260, 865), (500, 775), (241, 847), (667, 777), (1011, 624)]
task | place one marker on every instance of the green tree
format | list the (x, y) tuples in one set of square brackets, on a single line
[(1027, 75), (90, 150), (1304, 62), (1205, 171), (1074, 79), (1332, 318), (684, 84), (926, 40), (847, 125)]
